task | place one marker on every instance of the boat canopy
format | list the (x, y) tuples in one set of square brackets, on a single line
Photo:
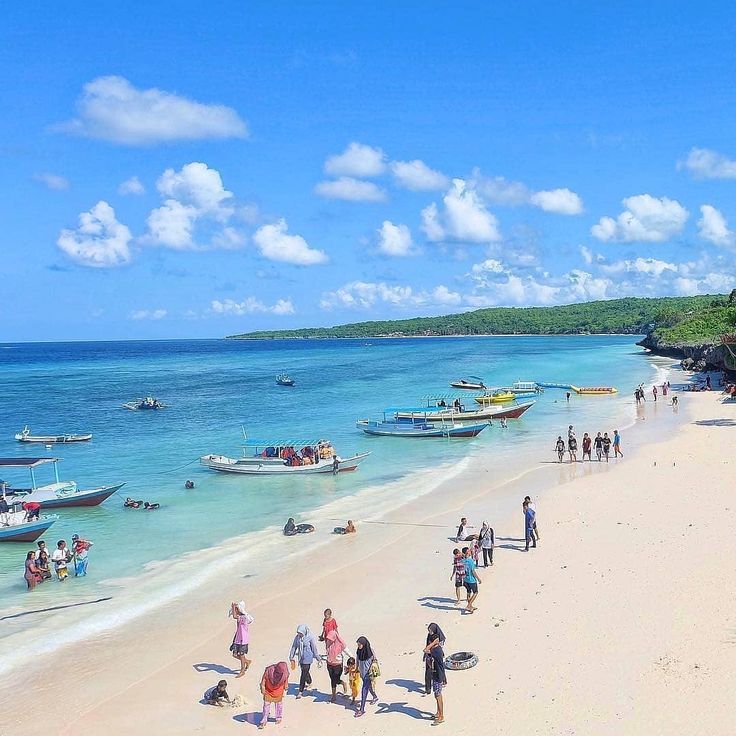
[(451, 397), (26, 462), (285, 442)]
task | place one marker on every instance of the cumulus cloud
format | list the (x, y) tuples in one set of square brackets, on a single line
[(99, 241), (395, 240), (112, 109), (357, 160), (172, 225), (703, 163), (417, 176), (198, 185), (351, 190), (650, 266), (251, 305), (131, 186), (53, 181), (364, 295), (465, 217), (154, 314), (645, 219), (559, 201), (713, 227), (274, 243)]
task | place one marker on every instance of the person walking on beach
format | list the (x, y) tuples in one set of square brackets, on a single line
[(335, 652), (567, 396), (369, 673), (487, 543), (664, 389), (617, 444), (351, 670), (654, 392), (560, 447), (586, 446), (598, 444), (241, 640), (304, 650), (533, 507), (572, 446), (433, 648), (636, 396), (328, 624), (529, 519), (471, 579), (606, 445), (458, 572), (273, 685)]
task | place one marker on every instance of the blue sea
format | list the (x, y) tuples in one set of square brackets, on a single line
[(216, 388)]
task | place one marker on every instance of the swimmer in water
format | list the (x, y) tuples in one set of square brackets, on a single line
[(151, 506)]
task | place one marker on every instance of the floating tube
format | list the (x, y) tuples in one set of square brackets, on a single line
[(565, 386)]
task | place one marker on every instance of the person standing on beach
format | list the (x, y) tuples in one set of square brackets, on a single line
[(328, 624), (369, 672), (487, 543), (435, 642), (471, 579), (273, 686), (335, 651), (533, 507), (606, 445), (598, 444), (529, 520), (458, 572), (617, 443), (560, 447), (586, 446), (304, 650), (241, 640), (572, 446), (654, 392), (567, 396), (664, 389)]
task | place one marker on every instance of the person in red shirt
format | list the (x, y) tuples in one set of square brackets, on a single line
[(329, 624), (586, 446), (32, 509)]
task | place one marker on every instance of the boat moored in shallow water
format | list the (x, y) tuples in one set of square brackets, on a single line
[(399, 423), (497, 397), (14, 526), (50, 439), (451, 413)]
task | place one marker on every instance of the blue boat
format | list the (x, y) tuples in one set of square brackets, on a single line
[(396, 423), (15, 528)]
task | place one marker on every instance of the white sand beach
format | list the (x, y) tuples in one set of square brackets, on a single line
[(622, 621)]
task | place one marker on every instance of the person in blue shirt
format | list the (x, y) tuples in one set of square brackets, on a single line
[(529, 521), (471, 579)]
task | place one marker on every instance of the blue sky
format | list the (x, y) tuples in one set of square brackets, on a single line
[(192, 171)]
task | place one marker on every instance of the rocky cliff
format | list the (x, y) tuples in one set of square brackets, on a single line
[(703, 357)]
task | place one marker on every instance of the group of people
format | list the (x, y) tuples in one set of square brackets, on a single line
[(39, 564), (601, 444), (308, 455), (130, 503)]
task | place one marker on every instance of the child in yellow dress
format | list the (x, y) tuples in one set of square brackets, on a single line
[(351, 670)]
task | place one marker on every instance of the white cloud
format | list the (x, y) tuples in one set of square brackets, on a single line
[(465, 218), (172, 225), (395, 240), (131, 186), (53, 181), (649, 266), (100, 241), (713, 227), (198, 185), (357, 160), (352, 190), (153, 314), (559, 201), (704, 163), (417, 176), (276, 244), (251, 305), (587, 254), (364, 295), (645, 219), (112, 109)]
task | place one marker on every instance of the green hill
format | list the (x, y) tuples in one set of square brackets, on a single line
[(678, 315)]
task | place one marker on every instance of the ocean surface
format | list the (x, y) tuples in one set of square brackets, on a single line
[(215, 388)]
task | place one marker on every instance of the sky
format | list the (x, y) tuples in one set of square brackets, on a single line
[(198, 170)]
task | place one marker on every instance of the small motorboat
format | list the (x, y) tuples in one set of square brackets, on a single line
[(473, 383), (51, 439), (497, 397), (15, 528), (146, 404), (395, 423), (283, 379)]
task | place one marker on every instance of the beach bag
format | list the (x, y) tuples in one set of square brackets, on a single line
[(374, 672)]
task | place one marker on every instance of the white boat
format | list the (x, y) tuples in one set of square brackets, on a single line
[(282, 458), (50, 439), (149, 403), (15, 528), (59, 494)]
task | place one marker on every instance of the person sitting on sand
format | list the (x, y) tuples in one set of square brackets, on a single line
[(350, 528), (586, 446), (460, 536), (273, 686), (290, 527), (217, 695), (560, 447)]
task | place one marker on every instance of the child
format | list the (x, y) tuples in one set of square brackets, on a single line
[(351, 670), (217, 695), (328, 624)]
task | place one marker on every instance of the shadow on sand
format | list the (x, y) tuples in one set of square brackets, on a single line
[(210, 667), (405, 710), (411, 686)]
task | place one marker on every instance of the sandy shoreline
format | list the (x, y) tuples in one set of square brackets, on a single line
[(620, 620)]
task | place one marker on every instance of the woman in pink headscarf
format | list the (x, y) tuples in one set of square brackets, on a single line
[(335, 651), (273, 685)]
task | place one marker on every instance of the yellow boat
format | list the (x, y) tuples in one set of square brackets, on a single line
[(499, 397), (594, 390)]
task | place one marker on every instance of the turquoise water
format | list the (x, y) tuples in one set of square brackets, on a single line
[(213, 387)]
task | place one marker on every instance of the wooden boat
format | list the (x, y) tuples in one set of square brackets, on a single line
[(14, 527), (485, 414), (474, 383), (316, 457), (51, 439), (283, 379), (394, 425), (148, 403), (60, 494), (594, 390), (497, 397)]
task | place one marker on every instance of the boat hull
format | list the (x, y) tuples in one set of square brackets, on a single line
[(26, 532), (54, 439), (468, 386), (257, 466), (59, 499), (487, 413), (432, 432), (504, 398)]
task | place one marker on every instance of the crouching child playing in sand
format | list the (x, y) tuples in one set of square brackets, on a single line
[(217, 695)]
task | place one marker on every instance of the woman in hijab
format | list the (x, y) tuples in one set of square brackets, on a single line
[(368, 668), (241, 640), (304, 649), (273, 686), (335, 651), (435, 641)]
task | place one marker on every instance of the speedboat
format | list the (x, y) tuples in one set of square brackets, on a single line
[(283, 379), (146, 404), (59, 494), (396, 423), (283, 458), (474, 383), (51, 439), (452, 414), (15, 528), (497, 397)]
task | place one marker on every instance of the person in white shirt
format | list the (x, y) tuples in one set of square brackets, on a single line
[(487, 542), (41, 548), (61, 557)]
